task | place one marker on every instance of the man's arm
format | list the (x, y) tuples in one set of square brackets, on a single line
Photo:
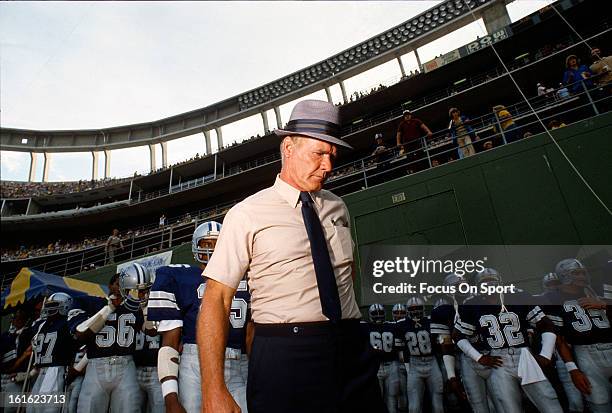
[(211, 336), (579, 379), (167, 369), (86, 330), (398, 138), (426, 130)]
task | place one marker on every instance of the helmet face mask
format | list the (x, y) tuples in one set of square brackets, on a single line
[(56, 304), (134, 285), (204, 240), (399, 311), (377, 313)]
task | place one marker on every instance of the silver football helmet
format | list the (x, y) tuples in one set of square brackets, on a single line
[(208, 230), (550, 282), (133, 279), (489, 276), (377, 313), (442, 301), (453, 279), (398, 311), (56, 303), (415, 308), (571, 271)]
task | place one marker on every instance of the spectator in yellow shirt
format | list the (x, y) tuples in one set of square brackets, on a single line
[(507, 124)]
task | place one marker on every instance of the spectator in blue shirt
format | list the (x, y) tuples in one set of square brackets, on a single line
[(575, 73)]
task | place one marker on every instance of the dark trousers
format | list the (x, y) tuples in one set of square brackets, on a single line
[(312, 368)]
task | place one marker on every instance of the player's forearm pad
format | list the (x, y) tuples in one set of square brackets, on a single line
[(166, 366), (81, 364), (469, 350), (548, 344), (449, 365), (96, 321)]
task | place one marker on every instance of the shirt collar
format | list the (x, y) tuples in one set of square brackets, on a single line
[(291, 195)]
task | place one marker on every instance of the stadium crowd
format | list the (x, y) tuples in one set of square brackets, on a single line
[(12, 189), (62, 246)]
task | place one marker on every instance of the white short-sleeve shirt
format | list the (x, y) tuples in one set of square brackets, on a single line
[(265, 238)]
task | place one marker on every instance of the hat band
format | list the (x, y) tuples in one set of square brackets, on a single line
[(313, 126)]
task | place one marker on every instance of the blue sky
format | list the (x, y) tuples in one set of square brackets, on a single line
[(73, 65)]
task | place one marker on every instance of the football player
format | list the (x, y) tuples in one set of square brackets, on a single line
[(421, 365), (382, 341), (584, 321), (54, 346), (174, 302), (550, 283), (473, 382), (110, 378), (147, 343), (502, 322)]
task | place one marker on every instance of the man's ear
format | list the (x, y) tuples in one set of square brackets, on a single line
[(288, 146)]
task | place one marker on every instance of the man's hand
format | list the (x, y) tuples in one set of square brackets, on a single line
[(115, 300), (429, 134), (543, 361), (591, 303), (581, 381), (173, 405), (221, 402), (455, 385), (491, 361)]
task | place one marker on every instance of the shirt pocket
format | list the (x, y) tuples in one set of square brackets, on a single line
[(342, 244)]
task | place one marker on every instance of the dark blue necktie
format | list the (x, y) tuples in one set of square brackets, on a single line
[(326, 280)]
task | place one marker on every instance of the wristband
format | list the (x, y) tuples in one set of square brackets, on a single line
[(469, 350), (169, 386), (548, 344), (571, 366)]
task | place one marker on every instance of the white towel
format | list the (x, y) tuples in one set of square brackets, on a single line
[(50, 384), (528, 369)]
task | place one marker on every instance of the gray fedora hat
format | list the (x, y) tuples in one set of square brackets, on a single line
[(315, 119)]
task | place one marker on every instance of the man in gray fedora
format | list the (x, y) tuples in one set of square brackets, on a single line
[(293, 242)]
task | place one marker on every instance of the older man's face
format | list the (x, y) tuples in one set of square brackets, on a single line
[(308, 162)]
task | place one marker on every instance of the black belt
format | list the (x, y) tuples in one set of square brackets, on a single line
[(315, 328)]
